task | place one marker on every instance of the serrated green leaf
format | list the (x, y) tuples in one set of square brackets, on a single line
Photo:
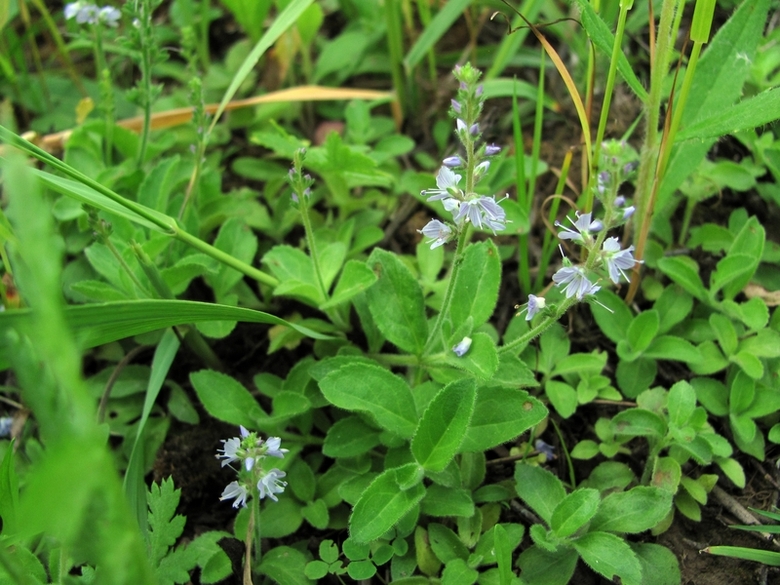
[(383, 504), (350, 437), (500, 415), (751, 112), (725, 64), (535, 564), (639, 422), (226, 399), (374, 390), (286, 565), (574, 511), (642, 330), (446, 544), (610, 556), (634, 511), (355, 279), (443, 425), (475, 291), (540, 489), (659, 564), (685, 272), (165, 526), (396, 302), (681, 403), (440, 501)]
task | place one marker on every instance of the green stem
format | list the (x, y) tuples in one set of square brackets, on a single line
[(536, 146), (226, 258), (540, 328), (312, 245), (167, 224), (608, 90), (523, 257), (126, 267), (647, 165), (103, 75), (395, 51), (647, 472), (248, 542), (445, 308), (547, 248), (679, 108), (203, 45), (146, 79)]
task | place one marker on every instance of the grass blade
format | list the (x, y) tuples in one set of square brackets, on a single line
[(284, 21)]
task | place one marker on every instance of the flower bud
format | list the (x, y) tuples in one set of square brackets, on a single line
[(461, 348)]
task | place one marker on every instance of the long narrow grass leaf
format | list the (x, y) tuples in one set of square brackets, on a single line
[(770, 558), (752, 112), (97, 324), (440, 24), (135, 489), (284, 21), (602, 37)]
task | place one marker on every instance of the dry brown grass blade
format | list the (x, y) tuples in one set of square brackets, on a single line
[(161, 120), (574, 93)]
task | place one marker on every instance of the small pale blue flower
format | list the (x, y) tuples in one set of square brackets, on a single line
[(271, 483), (583, 227), (237, 491), (492, 149), (109, 15), (481, 169), (462, 347), (548, 450), (452, 161), (535, 304), (577, 283), (439, 233), (482, 210), (617, 260), (272, 445), (446, 185)]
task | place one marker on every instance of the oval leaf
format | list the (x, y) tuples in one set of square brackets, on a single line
[(372, 389), (226, 399), (443, 425), (382, 505)]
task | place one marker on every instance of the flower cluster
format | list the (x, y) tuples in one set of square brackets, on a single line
[(465, 205), (300, 182), (574, 279), (251, 451), (86, 13)]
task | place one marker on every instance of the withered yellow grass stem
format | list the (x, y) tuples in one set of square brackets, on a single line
[(168, 119)]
